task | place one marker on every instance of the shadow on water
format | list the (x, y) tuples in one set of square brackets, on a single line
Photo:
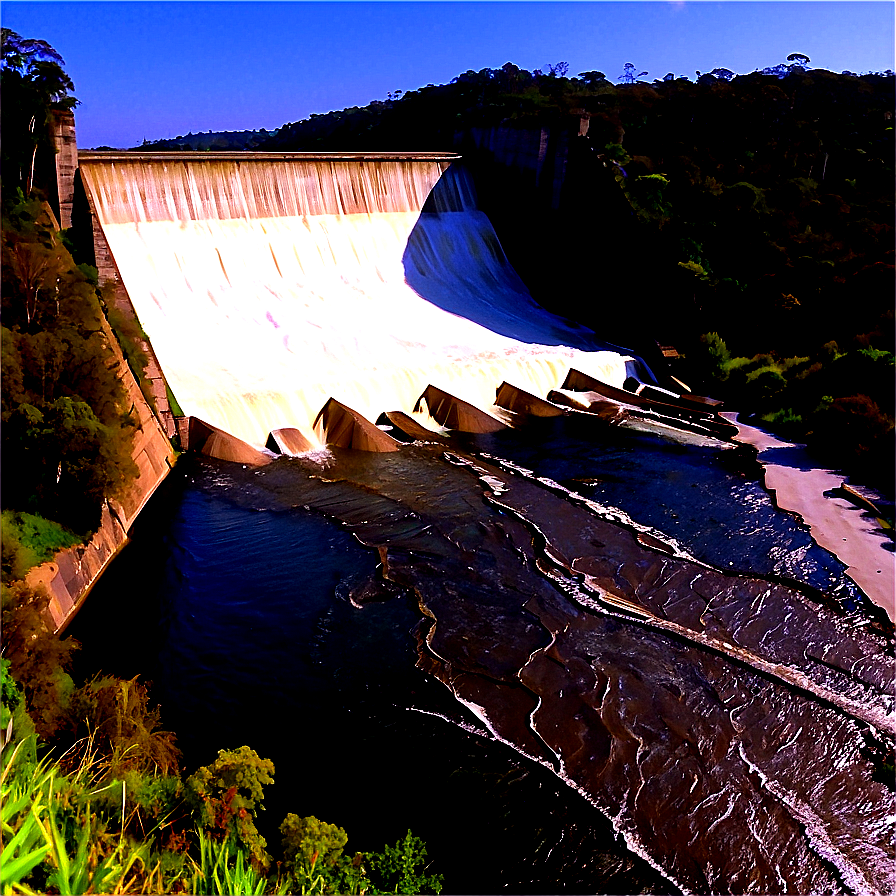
[(454, 260)]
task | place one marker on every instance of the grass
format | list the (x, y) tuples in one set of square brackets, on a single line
[(29, 540)]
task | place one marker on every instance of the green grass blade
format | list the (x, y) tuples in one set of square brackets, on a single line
[(15, 870), (10, 809)]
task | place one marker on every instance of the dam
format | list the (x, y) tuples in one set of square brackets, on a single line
[(270, 285), (559, 556)]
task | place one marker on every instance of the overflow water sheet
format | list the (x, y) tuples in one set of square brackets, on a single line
[(268, 286)]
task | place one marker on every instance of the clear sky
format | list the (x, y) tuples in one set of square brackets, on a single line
[(160, 69)]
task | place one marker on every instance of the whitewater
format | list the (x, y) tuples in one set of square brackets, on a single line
[(269, 286)]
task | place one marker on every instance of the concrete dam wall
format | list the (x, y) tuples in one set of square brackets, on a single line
[(291, 297), (271, 285)]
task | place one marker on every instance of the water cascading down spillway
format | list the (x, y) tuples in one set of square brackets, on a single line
[(273, 285)]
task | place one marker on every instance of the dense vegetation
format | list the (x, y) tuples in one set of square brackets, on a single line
[(209, 141), (109, 811), (746, 220), (67, 430), (67, 433)]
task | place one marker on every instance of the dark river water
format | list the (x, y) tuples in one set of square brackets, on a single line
[(571, 658)]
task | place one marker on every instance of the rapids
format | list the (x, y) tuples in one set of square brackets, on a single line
[(730, 727)]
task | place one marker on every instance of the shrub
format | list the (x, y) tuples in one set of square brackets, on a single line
[(313, 851), (130, 334), (784, 420), (125, 730), (39, 660), (308, 838), (56, 842), (396, 868), (790, 364), (716, 356), (765, 382), (225, 795), (17, 558), (15, 723), (617, 153)]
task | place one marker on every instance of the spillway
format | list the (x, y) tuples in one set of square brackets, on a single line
[(269, 285)]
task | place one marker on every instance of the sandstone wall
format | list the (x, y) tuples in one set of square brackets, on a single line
[(66, 163)]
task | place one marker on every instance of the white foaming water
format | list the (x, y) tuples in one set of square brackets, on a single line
[(268, 287)]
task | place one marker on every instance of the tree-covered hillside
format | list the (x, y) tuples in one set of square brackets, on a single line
[(67, 430), (211, 141), (746, 220)]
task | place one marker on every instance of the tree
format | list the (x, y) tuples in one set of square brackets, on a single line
[(592, 78), (20, 53), (799, 60), (33, 83), (629, 76), (723, 74), (225, 796), (560, 70)]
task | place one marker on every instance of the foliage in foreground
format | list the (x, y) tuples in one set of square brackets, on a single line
[(112, 814), (93, 798)]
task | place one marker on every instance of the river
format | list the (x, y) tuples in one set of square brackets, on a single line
[(572, 657)]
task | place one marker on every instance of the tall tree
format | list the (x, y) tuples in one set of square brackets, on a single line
[(33, 83), (629, 76)]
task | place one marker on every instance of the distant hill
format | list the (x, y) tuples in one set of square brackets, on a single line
[(210, 140)]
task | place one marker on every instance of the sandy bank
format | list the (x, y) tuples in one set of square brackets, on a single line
[(836, 524)]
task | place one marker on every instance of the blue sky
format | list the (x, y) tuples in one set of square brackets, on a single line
[(160, 69)]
